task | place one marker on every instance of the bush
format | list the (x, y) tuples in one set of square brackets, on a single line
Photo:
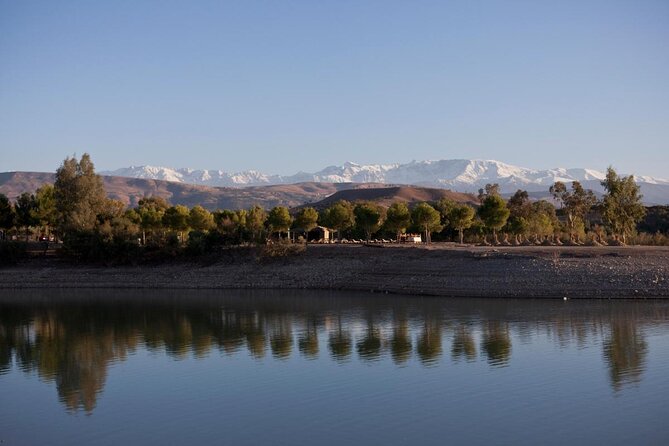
[(644, 238), (12, 252), (201, 243), (90, 246), (280, 250)]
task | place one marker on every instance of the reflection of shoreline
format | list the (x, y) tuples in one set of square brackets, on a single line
[(523, 272), (72, 343)]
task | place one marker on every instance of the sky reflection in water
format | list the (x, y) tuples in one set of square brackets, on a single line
[(306, 362)]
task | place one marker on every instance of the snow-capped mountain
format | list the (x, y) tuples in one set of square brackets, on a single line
[(460, 175)]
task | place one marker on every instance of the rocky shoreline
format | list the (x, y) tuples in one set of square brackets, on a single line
[(435, 270)]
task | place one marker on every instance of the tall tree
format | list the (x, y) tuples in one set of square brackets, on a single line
[(428, 219), (542, 221), (339, 217), (444, 206), (306, 220), (398, 218), (255, 222), (79, 194), (279, 219), (576, 204), (25, 212), (46, 207), (488, 190), (520, 209), (519, 204), (228, 223), (7, 215), (494, 213), (200, 219), (368, 217), (176, 218), (622, 207), (460, 218), (151, 211)]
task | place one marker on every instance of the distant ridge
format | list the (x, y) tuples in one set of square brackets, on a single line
[(461, 175), (386, 196), (131, 190)]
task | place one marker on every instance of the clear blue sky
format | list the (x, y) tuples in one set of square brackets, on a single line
[(282, 86)]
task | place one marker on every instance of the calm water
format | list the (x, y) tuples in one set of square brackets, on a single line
[(131, 367)]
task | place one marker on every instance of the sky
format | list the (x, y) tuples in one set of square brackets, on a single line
[(287, 86)]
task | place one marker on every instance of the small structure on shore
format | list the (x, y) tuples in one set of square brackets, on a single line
[(411, 238), (321, 234)]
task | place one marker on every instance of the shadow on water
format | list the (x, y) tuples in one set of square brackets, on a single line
[(71, 338)]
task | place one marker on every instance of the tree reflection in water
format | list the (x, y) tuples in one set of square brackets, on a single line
[(496, 343), (428, 346), (308, 340), (340, 342), (281, 340), (625, 353), (400, 343), (72, 343), (369, 347), (463, 346)]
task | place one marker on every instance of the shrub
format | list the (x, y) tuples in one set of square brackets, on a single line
[(280, 250), (91, 246)]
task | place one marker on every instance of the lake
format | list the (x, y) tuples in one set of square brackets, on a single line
[(285, 367)]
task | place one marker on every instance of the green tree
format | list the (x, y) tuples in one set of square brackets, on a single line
[(576, 204), (520, 209), (240, 218), (542, 221), (25, 208), (427, 218), (494, 213), (460, 218), (231, 223), (255, 222), (339, 217), (151, 211), (46, 212), (519, 204), (518, 226), (79, 195), (111, 209), (7, 215), (622, 207), (398, 218), (176, 218), (200, 219), (488, 190), (279, 219), (444, 206), (115, 223), (368, 217), (306, 220)]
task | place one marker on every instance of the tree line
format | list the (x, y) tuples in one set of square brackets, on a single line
[(76, 210)]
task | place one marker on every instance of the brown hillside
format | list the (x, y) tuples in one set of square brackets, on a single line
[(131, 190), (319, 195), (386, 195)]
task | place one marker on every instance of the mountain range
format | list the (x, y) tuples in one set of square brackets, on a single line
[(319, 195), (461, 175)]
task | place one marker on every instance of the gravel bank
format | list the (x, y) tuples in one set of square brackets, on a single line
[(439, 270)]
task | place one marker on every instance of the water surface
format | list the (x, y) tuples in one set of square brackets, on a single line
[(286, 367)]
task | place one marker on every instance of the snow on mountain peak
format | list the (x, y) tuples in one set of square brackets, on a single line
[(465, 175)]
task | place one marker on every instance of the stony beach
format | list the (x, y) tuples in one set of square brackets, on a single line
[(435, 270)]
